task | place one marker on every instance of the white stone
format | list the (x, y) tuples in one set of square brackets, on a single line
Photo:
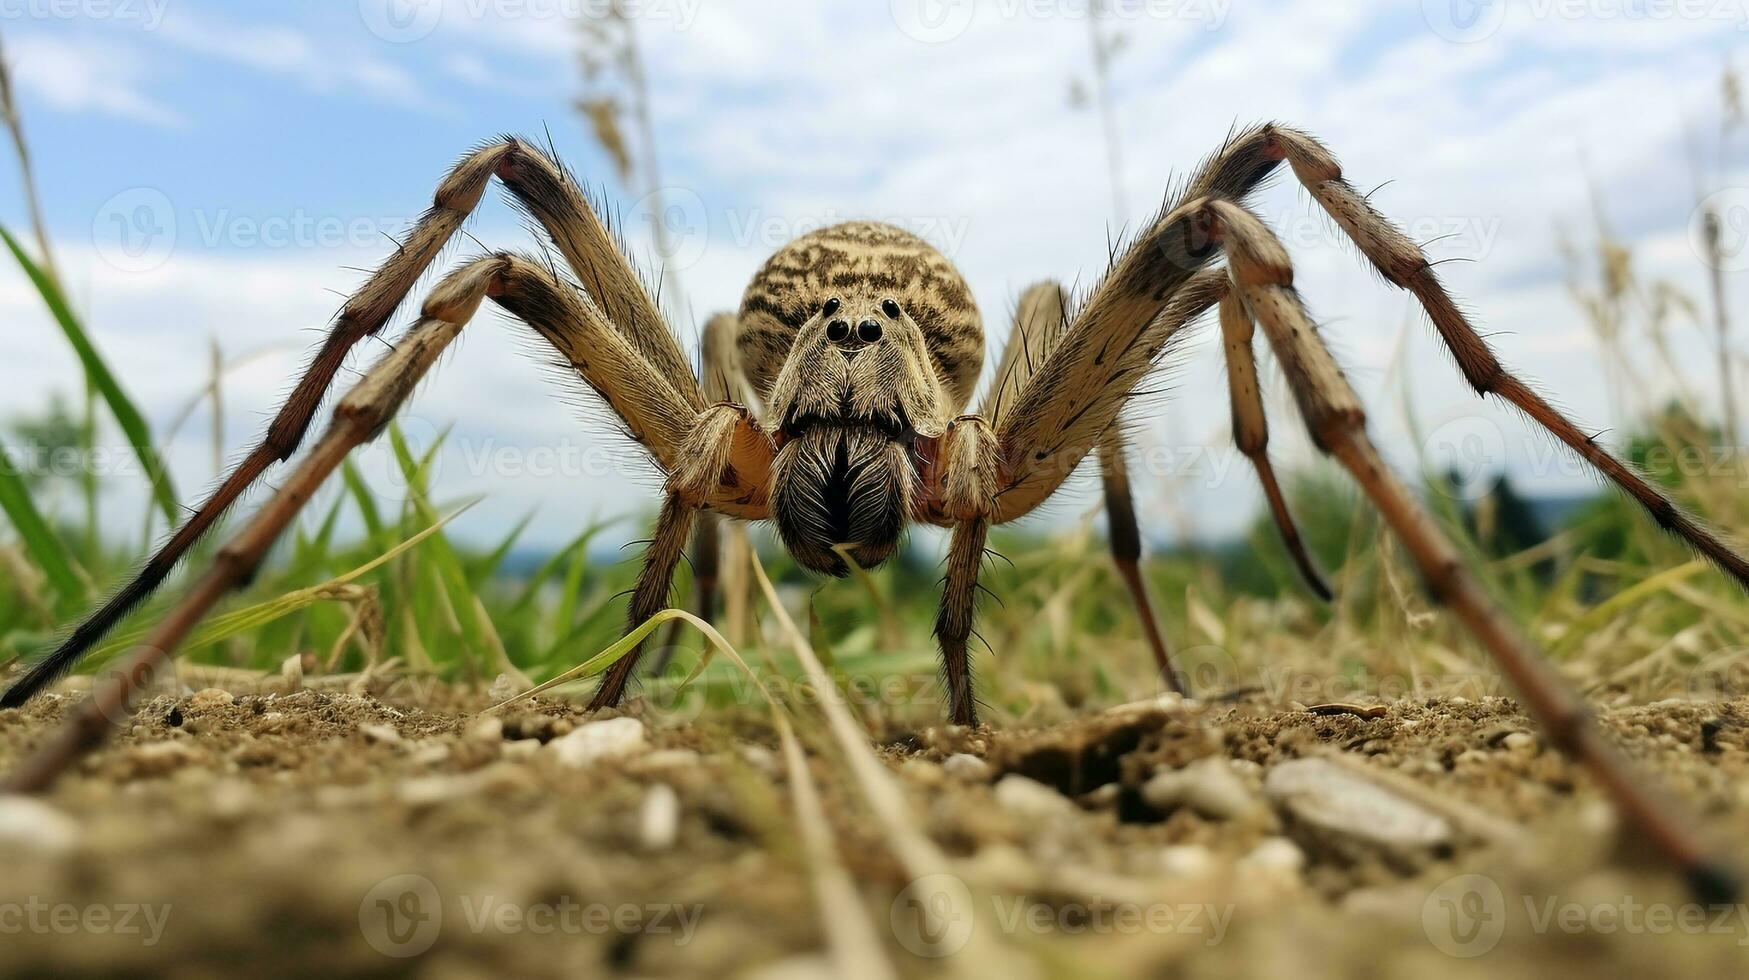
[(962, 765), (614, 738), (380, 734), (659, 818), (209, 698), (1345, 808), (32, 825), (1187, 861), (1031, 800), (1208, 786), (1276, 854), (761, 758), (487, 729)]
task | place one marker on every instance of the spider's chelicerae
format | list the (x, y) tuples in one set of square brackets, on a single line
[(862, 345)]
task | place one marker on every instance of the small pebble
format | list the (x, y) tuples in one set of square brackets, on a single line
[(209, 698), (1208, 786), (659, 818), (965, 766), (614, 738), (762, 759), (1519, 742), (1276, 854), (34, 826), (486, 729), (1186, 861), (1338, 806), (380, 734), (1031, 800)]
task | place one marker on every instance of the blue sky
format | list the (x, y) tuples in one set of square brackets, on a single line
[(267, 149)]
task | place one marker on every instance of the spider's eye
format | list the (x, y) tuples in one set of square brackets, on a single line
[(831, 307), (890, 308), (837, 330)]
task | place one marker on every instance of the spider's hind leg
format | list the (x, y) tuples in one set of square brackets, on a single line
[(1406, 266), (1263, 277)]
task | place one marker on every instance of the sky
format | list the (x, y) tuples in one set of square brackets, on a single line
[(221, 171)]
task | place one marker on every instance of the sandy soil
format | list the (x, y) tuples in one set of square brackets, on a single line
[(332, 834)]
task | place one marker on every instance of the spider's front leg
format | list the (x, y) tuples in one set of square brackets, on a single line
[(724, 465), (963, 481)]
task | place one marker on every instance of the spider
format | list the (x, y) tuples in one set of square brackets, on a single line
[(861, 347)]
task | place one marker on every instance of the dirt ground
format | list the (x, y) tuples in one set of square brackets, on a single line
[(331, 834)]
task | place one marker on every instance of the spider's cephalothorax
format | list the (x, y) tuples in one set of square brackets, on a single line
[(861, 345), (859, 338)]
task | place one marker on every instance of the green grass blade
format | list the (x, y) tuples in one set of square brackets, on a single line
[(132, 423), (39, 539)]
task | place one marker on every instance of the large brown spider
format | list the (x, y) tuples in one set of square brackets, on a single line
[(862, 345)]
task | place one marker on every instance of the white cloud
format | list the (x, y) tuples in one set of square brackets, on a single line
[(280, 50), (88, 75)]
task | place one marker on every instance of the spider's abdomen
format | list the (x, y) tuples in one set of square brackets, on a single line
[(862, 263)]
